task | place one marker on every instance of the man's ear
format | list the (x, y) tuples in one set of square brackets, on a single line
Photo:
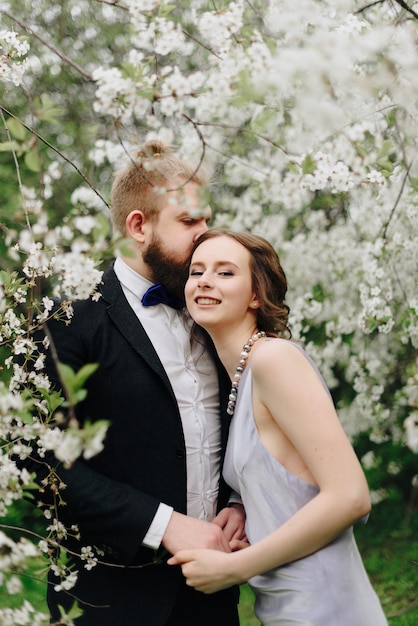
[(135, 222)]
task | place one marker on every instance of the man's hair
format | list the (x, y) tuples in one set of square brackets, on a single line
[(143, 183), (268, 280)]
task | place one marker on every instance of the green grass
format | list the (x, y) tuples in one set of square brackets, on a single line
[(389, 547), (246, 613)]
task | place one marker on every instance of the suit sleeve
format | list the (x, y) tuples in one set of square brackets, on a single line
[(110, 508)]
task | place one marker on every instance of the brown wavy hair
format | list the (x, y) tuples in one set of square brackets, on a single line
[(268, 280), (138, 185)]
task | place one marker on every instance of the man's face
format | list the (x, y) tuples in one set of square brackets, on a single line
[(180, 222)]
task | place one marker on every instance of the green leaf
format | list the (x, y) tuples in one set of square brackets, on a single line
[(102, 228), (386, 148), (80, 395), (123, 247), (386, 166), (84, 373), (53, 399), (8, 146), (74, 612), (165, 9), (265, 121), (32, 485), (33, 161), (74, 382), (308, 165), (16, 129), (10, 281), (46, 110)]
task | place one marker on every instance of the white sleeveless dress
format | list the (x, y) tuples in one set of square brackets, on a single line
[(327, 588)]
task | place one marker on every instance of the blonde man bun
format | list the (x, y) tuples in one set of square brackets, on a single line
[(141, 185)]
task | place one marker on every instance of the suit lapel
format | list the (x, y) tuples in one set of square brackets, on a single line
[(129, 325)]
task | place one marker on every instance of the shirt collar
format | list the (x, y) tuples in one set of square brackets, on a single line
[(130, 279)]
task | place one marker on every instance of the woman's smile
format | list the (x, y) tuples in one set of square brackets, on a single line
[(206, 301)]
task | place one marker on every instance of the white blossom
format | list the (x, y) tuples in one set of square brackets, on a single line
[(12, 47), (78, 277), (411, 428)]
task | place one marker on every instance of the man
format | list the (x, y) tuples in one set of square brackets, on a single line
[(155, 486)]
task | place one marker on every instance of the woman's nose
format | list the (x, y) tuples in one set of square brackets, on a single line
[(203, 281)]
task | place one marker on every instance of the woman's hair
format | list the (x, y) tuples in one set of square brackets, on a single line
[(143, 183), (268, 280)]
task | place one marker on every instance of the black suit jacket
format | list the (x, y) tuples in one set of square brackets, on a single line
[(114, 496)]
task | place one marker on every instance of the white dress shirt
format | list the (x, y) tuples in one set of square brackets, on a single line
[(193, 377)]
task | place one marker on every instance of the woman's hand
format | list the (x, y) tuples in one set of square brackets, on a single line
[(207, 570)]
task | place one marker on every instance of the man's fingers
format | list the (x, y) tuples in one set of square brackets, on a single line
[(182, 556)]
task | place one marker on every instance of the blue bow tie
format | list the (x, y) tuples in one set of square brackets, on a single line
[(158, 294)]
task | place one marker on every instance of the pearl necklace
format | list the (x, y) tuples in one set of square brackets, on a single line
[(246, 349)]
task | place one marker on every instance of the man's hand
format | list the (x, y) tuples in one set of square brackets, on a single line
[(232, 521), (184, 532)]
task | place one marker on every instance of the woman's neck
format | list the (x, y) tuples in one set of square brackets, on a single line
[(229, 346)]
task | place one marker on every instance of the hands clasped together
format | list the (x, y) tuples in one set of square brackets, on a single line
[(203, 549)]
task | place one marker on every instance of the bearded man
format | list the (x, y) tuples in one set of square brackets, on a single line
[(155, 488)]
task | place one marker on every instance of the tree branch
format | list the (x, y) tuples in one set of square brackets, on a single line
[(369, 6), (62, 56), (405, 610), (113, 4), (386, 226), (79, 172), (401, 3), (19, 179), (407, 8)]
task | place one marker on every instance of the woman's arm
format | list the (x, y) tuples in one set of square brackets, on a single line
[(289, 389)]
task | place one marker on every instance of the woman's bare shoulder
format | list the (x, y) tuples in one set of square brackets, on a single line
[(278, 359), (275, 349)]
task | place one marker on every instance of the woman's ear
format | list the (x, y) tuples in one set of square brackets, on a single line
[(135, 225), (255, 302)]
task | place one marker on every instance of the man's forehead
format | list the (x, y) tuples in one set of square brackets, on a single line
[(194, 205), (198, 213)]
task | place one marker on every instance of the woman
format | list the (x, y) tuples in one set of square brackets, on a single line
[(287, 456)]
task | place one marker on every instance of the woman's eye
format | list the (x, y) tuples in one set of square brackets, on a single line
[(225, 273), (196, 273)]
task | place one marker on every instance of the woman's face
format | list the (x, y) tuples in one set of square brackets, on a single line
[(219, 288)]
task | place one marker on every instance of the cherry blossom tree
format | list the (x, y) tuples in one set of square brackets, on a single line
[(307, 115)]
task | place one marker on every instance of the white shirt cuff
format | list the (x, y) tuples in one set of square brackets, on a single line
[(234, 498), (158, 527)]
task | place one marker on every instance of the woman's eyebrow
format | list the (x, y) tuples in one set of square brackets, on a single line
[(217, 263)]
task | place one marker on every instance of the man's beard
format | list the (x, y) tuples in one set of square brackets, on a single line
[(165, 269)]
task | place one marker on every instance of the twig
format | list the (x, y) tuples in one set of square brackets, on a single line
[(113, 4), (369, 6), (407, 8), (46, 142), (386, 226), (241, 130), (49, 46), (56, 544), (401, 3), (405, 610), (19, 180), (202, 45)]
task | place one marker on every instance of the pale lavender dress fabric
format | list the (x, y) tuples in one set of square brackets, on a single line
[(328, 588)]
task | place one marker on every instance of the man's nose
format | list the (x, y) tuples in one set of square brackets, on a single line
[(202, 228)]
